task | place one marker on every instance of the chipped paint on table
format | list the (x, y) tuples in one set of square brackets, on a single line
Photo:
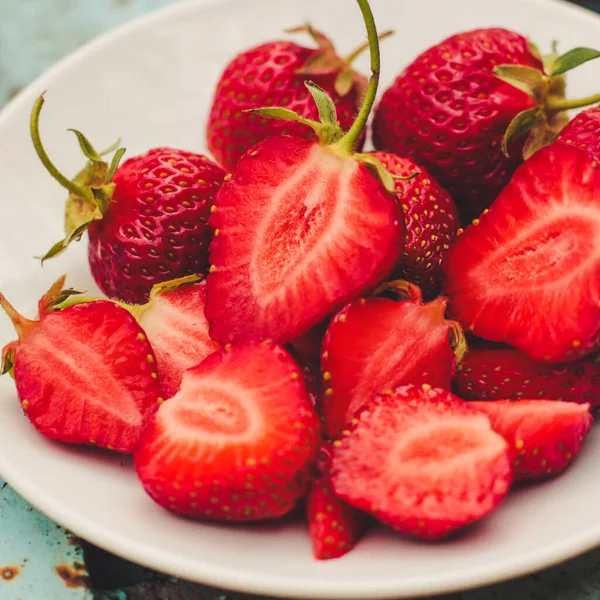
[(38, 559)]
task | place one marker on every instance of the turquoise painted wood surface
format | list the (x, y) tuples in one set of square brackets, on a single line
[(38, 559), (34, 34)]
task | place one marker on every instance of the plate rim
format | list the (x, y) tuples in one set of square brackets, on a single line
[(231, 578)]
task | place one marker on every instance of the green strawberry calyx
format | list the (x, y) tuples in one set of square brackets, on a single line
[(543, 122), (326, 61), (90, 192), (137, 310), (328, 128)]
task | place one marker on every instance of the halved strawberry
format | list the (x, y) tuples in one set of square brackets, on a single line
[(85, 374), (375, 344), (236, 442), (528, 272), (301, 230), (544, 435), (334, 525), (497, 372), (302, 227), (175, 324), (422, 461)]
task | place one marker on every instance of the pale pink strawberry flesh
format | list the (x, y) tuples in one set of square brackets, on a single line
[(299, 229), (544, 436), (528, 273), (241, 418), (86, 375), (375, 344), (422, 461), (175, 324)]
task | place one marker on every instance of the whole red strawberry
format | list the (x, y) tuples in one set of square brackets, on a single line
[(302, 227), (451, 108), (496, 372), (584, 132), (273, 74), (147, 220), (85, 374), (431, 223), (527, 273)]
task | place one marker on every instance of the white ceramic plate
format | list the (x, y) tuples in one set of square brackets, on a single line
[(151, 82)]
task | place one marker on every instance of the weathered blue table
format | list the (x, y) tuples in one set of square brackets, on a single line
[(38, 559)]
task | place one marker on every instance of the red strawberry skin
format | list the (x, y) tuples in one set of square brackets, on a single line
[(175, 324), (431, 223), (334, 526), (268, 75), (528, 272), (497, 372), (377, 343), (422, 461), (544, 435), (86, 375), (448, 112), (299, 231), (584, 132), (237, 442), (156, 227)]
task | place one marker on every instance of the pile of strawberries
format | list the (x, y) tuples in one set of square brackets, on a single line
[(315, 360)]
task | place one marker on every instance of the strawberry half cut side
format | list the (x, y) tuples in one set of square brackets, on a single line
[(375, 344), (422, 461), (301, 230), (237, 442), (85, 374), (527, 273), (544, 435)]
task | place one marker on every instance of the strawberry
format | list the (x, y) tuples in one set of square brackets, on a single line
[(175, 324), (496, 372), (236, 442), (377, 343), (273, 74), (431, 223), (85, 374), (334, 526), (544, 436), (147, 220), (463, 107), (422, 461), (301, 227), (528, 272), (584, 131)]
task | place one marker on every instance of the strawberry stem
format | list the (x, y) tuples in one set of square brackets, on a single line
[(22, 325), (356, 53), (34, 124), (558, 104), (348, 143)]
